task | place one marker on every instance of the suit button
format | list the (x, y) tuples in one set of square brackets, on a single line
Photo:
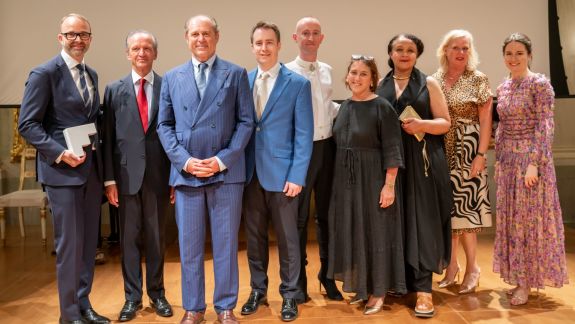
[(143, 156), (213, 125), (193, 127)]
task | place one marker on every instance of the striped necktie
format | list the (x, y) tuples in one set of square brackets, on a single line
[(84, 85)]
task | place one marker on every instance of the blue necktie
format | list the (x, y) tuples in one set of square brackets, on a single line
[(201, 80), (84, 85)]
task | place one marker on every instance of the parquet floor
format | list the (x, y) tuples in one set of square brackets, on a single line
[(28, 291)]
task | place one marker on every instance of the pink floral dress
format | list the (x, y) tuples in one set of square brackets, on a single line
[(529, 240)]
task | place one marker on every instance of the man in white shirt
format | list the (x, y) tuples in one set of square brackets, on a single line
[(308, 37)]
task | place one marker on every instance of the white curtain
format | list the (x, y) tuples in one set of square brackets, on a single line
[(566, 13)]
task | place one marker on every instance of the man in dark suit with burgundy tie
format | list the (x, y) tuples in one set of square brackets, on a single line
[(59, 94), (136, 174)]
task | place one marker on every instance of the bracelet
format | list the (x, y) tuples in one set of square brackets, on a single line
[(391, 185), (481, 154)]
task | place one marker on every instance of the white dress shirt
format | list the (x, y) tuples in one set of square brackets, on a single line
[(270, 81), (324, 109), (71, 63)]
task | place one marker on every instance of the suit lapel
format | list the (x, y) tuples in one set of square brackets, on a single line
[(156, 89), (281, 83), (68, 84), (218, 75), (187, 86), (128, 95)]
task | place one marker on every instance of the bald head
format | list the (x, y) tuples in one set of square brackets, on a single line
[(308, 37)]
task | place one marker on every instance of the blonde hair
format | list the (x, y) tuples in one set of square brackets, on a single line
[(473, 59)]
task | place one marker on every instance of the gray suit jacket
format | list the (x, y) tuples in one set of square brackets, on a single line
[(128, 151)]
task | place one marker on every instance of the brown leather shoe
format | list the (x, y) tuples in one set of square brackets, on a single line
[(227, 317), (193, 318)]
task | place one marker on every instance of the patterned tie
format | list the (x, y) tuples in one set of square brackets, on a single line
[(261, 94), (201, 80), (312, 67), (84, 85), (143, 104)]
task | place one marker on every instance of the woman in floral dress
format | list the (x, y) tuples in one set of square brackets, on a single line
[(529, 241)]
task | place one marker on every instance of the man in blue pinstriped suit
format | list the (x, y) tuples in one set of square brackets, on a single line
[(204, 123)]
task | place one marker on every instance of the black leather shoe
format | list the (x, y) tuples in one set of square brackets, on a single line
[(289, 310), (91, 317), (63, 321), (162, 307), (129, 310), (251, 306)]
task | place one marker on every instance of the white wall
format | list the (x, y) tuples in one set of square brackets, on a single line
[(28, 30)]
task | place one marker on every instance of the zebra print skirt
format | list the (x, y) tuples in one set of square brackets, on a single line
[(471, 207)]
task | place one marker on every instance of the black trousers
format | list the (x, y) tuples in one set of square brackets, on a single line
[(261, 206), (318, 181), (418, 280), (142, 219)]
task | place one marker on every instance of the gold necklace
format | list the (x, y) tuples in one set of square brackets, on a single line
[(401, 78)]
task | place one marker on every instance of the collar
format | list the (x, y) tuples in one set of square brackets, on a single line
[(70, 61), (210, 62), (306, 64), (273, 72), (149, 77)]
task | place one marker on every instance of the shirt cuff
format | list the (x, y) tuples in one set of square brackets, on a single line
[(221, 164), (185, 168), (59, 159), (109, 183)]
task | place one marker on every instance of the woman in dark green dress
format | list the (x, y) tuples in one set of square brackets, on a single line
[(366, 251), (426, 192)]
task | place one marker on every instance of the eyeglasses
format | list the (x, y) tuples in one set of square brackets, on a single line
[(361, 57), (72, 36)]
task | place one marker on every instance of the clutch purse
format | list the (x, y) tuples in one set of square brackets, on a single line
[(409, 112)]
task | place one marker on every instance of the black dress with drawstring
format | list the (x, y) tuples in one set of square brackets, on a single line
[(366, 246)]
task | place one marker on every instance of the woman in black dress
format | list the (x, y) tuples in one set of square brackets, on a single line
[(367, 250), (425, 186)]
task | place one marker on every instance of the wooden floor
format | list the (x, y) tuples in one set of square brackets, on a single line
[(28, 291)]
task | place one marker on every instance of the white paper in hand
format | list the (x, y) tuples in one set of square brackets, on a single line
[(78, 137)]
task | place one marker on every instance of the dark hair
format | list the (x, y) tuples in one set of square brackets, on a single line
[(520, 38), (370, 62), (418, 43), (265, 25)]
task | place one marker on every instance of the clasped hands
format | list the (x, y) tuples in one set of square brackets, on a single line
[(203, 168)]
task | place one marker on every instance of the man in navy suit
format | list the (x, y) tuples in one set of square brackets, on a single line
[(136, 173), (205, 122), (277, 159), (59, 94)]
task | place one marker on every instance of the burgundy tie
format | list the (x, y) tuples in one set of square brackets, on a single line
[(143, 105)]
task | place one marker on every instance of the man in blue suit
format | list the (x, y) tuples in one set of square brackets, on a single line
[(204, 123), (277, 159), (59, 94)]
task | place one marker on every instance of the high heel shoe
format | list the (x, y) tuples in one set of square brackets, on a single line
[(375, 308), (447, 282), (355, 300), (520, 296), (470, 282), (331, 290)]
